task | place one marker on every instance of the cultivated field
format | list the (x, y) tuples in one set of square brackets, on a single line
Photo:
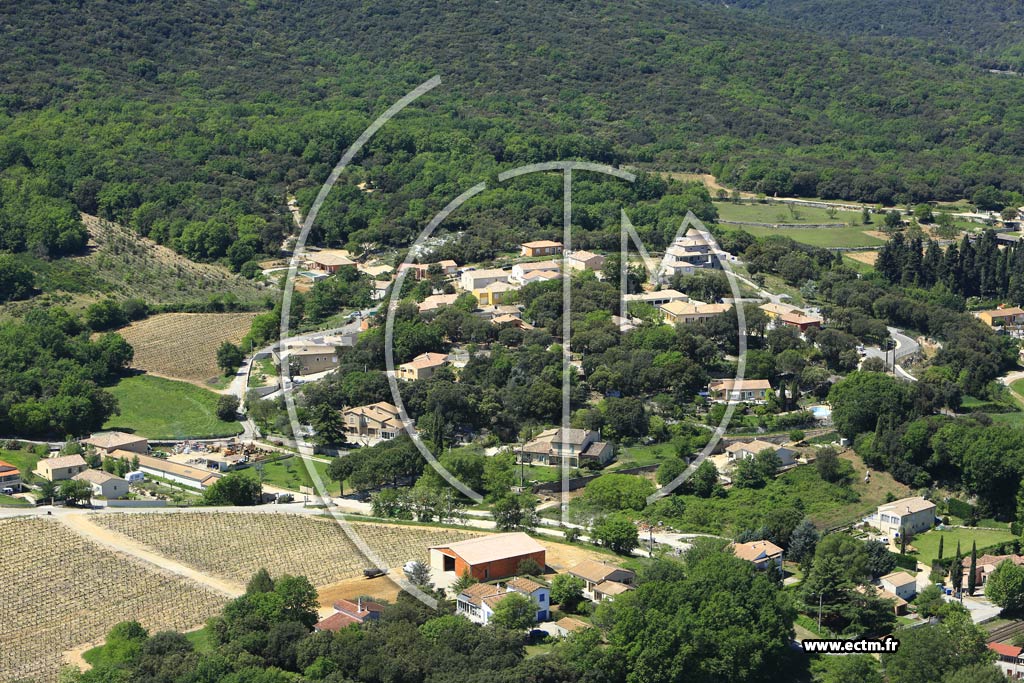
[(233, 546), (159, 408), (62, 591), (184, 345)]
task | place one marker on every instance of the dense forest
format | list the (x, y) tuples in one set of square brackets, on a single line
[(190, 122), (984, 32)]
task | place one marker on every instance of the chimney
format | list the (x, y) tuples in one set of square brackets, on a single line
[(360, 603)]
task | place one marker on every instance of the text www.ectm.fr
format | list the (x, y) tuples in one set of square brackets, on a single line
[(837, 646)]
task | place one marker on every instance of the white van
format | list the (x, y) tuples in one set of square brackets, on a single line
[(135, 477)]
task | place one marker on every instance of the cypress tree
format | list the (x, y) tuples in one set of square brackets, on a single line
[(941, 538), (971, 579)]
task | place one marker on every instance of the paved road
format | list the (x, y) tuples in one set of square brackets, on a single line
[(905, 346)]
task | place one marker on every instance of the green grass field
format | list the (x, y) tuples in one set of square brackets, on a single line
[(782, 213), (291, 473), (25, 461), (636, 456), (817, 237), (10, 501), (927, 544), (158, 408)]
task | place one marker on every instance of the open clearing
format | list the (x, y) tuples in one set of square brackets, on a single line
[(119, 263), (63, 591), (927, 544), (783, 214), (845, 236), (159, 408), (866, 257), (184, 345), (291, 473)]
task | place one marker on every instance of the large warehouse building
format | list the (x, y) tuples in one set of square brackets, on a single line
[(489, 557)]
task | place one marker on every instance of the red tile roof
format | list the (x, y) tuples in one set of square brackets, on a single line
[(1005, 649), (336, 622)]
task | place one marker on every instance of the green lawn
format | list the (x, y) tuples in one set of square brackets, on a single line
[(291, 473), (25, 461), (159, 408), (636, 456), (927, 544), (1018, 386), (783, 213), (10, 501), (845, 236), (1014, 419)]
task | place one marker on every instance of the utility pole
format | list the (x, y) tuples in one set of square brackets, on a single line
[(820, 594)]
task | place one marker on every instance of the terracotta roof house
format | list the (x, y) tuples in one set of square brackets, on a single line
[(540, 248), (691, 311), (566, 625), (104, 484), (347, 613), (472, 280), (10, 477), (1009, 659), (477, 602), (800, 321), (105, 442), (60, 468), (1001, 317), (986, 564), (736, 391), (774, 310), (495, 293), (436, 301), (376, 421), (761, 553), (575, 445), (585, 260), (308, 359), (328, 261), (595, 574), (422, 366), (745, 450), (487, 557)]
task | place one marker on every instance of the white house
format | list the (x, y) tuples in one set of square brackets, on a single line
[(658, 298), (688, 254), (575, 445), (521, 271), (907, 516), (745, 450), (585, 260), (900, 584), (477, 602), (104, 484), (602, 580)]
